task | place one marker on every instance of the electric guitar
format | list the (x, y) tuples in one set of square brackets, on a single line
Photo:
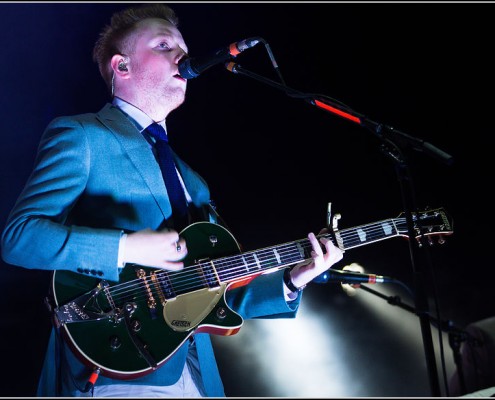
[(129, 328)]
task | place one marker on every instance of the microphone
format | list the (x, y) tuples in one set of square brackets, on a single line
[(350, 277), (192, 67)]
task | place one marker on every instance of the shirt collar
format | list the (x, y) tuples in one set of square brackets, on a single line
[(140, 118)]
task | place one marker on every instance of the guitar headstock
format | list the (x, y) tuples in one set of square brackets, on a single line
[(430, 223)]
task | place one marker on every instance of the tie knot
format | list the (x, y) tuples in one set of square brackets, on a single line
[(157, 131)]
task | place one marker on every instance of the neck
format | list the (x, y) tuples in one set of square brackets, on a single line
[(154, 109)]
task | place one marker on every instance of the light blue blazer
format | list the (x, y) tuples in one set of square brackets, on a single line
[(94, 177)]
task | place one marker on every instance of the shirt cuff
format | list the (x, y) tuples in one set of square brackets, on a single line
[(120, 257), (291, 296)]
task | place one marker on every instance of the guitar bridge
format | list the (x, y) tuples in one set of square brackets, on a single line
[(151, 303)]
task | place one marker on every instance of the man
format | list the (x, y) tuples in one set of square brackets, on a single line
[(97, 202)]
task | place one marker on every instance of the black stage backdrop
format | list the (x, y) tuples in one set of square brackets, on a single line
[(273, 163)]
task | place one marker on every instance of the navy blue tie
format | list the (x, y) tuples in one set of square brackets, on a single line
[(174, 188)]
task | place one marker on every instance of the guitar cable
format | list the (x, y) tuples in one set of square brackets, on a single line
[(92, 380), (62, 358)]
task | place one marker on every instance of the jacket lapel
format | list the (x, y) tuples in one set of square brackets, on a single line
[(196, 186), (139, 152)]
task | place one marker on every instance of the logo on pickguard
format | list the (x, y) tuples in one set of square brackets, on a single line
[(77, 310), (181, 324)]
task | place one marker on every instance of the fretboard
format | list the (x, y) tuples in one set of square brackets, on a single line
[(280, 256)]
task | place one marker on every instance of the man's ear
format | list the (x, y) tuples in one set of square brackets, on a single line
[(120, 65)]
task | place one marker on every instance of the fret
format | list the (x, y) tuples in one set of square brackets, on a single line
[(277, 257), (256, 259), (365, 234), (269, 258), (250, 263), (244, 263), (304, 253), (234, 267), (291, 253), (210, 276)]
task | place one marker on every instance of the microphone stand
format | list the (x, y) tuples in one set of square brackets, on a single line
[(392, 143), (456, 335)]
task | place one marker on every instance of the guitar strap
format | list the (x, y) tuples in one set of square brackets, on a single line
[(212, 209)]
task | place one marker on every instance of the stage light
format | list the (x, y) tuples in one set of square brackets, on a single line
[(351, 289), (283, 353), (335, 347)]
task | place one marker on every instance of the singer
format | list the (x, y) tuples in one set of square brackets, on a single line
[(109, 203)]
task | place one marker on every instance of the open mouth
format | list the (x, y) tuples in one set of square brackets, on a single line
[(180, 77)]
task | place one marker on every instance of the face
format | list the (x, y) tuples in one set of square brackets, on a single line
[(154, 81)]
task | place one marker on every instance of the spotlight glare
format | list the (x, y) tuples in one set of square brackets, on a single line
[(351, 289)]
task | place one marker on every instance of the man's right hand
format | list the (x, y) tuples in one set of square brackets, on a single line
[(159, 249)]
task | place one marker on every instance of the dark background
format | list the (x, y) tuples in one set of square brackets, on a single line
[(274, 162)]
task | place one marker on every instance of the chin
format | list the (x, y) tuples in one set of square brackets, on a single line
[(176, 102)]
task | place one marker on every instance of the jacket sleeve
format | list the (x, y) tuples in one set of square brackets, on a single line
[(263, 297), (37, 234)]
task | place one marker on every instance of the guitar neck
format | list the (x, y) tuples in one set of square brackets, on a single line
[(273, 258), (371, 233)]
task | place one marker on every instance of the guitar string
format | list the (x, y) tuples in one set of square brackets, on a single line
[(178, 288), (180, 284), (220, 263), (223, 265), (267, 257), (270, 261), (261, 259)]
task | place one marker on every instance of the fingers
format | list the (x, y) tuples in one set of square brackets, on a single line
[(332, 253), (336, 254), (168, 235), (324, 254), (324, 230), (180, 247), (317, 250), (173, 247), (162, 249), (174, 252), (170, 265)]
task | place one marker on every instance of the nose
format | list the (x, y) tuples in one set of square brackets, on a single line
[(181, 54)]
